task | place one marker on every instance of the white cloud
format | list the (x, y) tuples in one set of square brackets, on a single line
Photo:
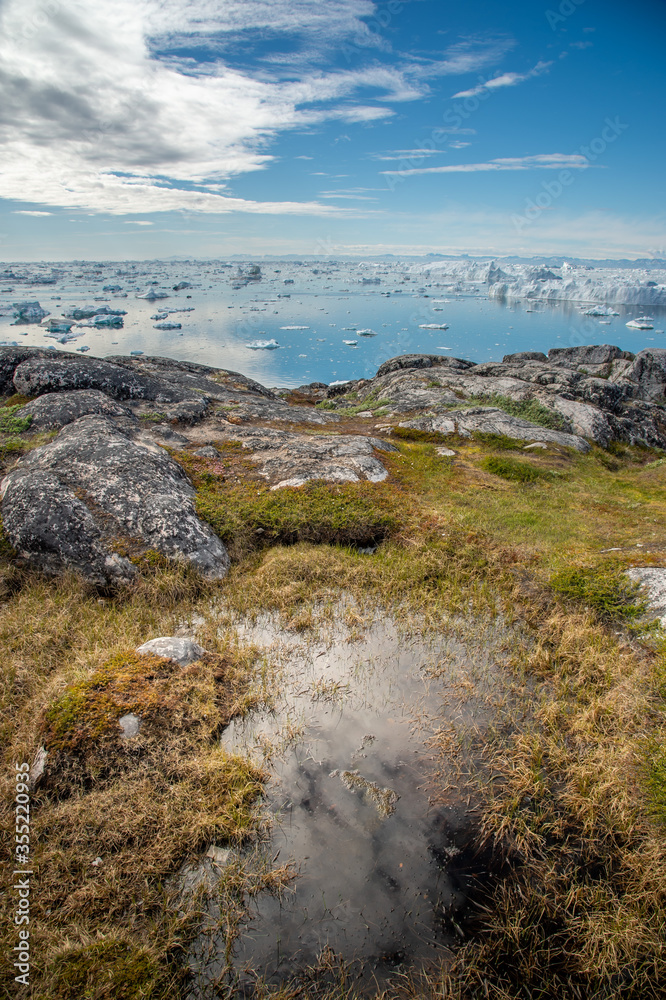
[(132, 222), (505, 80), (100, 112), (26, 212), (403, 154), (541, 161)]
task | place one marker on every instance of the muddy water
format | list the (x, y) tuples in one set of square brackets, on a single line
[(361, 801)]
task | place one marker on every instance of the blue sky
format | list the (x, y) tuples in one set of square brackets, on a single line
[(148, 128)]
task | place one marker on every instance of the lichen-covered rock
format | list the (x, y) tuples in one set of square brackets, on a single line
[(645, 378), (56, 409), (653, 581), (11, 358), (593, 354), (53, 530), (62, 373), (490, 420), (287, 458), (422, 361), (64, 503)]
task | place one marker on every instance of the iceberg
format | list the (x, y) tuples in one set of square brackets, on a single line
[(58, 325), (88, 312), (263, 345), (168, 326), (641, 323), (109, 321), (152, 295), (29, 312), (433, 326)]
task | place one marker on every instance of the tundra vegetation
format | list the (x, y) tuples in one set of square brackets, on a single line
[(570, 807)]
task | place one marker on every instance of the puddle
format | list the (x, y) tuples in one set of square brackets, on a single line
[(369, 812)]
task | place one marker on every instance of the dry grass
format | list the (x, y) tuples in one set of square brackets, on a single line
[(574, 802)]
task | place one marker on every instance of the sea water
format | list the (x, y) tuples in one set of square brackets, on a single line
[(329, 321)]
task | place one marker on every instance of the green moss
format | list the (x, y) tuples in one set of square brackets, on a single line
[(153, 417), (128, 682), (247, 516), (604, 588), (499, 441), (109, 970), (10, 423), (510, 468), (412, 434), (527, 409)]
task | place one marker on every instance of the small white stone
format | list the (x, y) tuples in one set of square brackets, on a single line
[(172, 647), (445, 452), (535, 444), (130, 725)]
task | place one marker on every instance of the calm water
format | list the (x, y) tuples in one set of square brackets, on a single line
[(362, 803), (330, 304)]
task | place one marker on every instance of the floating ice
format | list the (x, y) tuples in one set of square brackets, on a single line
[(263, 345), (351, 343), (294, 327), (159, 316), (168, 326), (152, 295), (59, 325), (433, 326), (366, 333), (29, 312), (88, 312), (641, 323)]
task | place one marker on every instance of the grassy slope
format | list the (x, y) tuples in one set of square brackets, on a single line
[(577, 802)]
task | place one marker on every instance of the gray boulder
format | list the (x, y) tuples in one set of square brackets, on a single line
[(56, 409), (422, 361), (645, 378), (63, 373), (490, 420), (52, 529), (287, 458), (525, 356), (594, 354), (11, 358), (64, 504)]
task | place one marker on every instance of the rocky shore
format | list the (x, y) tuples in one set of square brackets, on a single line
[(107, 485)]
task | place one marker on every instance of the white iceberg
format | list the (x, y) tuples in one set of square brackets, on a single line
[(263, 345), (152, 295), (641, 323), (294, 327), (433, 326)]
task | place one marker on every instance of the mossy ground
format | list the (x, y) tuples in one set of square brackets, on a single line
[(574, 802)]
